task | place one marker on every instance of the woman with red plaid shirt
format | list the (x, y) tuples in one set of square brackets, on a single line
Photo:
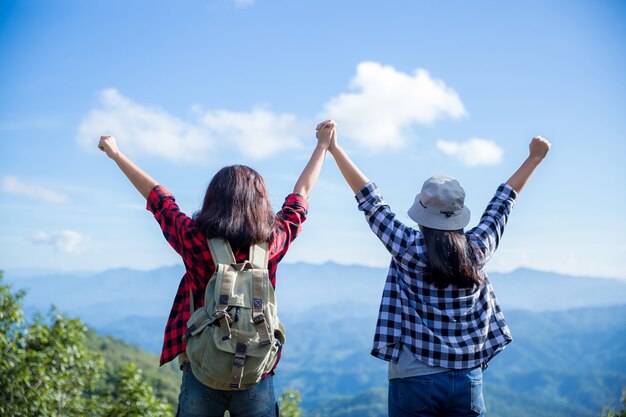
[(236, 208)]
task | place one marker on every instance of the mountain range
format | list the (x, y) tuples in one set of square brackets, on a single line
[(104, 297)]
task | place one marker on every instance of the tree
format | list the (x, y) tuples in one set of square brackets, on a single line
[(134, 397), (615, 413), (47, 369), (290, 404)]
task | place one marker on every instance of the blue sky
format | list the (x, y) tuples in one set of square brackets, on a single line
[(418, 88)]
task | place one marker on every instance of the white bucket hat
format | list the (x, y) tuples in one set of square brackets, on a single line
[(440, 204)]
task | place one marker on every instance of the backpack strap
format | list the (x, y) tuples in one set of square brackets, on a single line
[(259, 255), (239, 360), (221, 309), (221, 252), (258, 317), (223, 257)]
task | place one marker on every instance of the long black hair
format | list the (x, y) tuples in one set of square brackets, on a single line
[(236, 207), (451, 258)]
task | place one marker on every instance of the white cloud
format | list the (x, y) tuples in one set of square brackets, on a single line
[(473, 152), (66, 241), (151, 131), (13, 185), (141, 129), (257, 134), (388, 102)]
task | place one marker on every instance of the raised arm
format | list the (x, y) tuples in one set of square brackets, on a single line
[(351, 173), (312, 170), (143, 182), (538, 149)]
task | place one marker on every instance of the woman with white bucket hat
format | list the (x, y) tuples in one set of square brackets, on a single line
[(439, 322)]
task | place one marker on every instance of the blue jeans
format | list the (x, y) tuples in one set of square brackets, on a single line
[(452, 393), (198, 400)]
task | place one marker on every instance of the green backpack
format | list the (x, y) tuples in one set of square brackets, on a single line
[(236, 336)]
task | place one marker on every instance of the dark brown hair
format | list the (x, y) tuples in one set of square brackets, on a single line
[(451, 258), (236, 207)]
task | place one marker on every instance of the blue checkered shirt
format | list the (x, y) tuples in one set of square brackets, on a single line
[(452, 327)]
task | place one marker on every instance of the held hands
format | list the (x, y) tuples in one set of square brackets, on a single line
[(326, 134), (539, 147), (108, 145)]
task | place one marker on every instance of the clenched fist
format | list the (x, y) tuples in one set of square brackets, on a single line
[(108, 145)]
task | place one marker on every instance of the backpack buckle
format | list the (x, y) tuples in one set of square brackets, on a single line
[(220, 314), (224, 319), (240, 354), (239, 361), (259, 318)]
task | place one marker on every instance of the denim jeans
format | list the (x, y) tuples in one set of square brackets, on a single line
[(198, 400), (451, 393)]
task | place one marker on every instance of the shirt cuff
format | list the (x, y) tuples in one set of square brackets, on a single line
[(156, 196), (369, 198), (365, 192), (506, 192), (297, 200)]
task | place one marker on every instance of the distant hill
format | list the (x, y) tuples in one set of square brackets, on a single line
[(527, 289), (106, 297)]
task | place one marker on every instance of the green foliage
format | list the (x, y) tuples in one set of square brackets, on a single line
[(615, 413), (164, 380), (134, 397), (290, 404), (45, 367), (48, 369)]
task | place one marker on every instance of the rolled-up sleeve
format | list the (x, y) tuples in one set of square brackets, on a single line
[(289, 224), (369, 199), (402, 242), (486, 236), (174, 223)]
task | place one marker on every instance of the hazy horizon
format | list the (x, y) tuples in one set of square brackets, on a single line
[(33, 272)]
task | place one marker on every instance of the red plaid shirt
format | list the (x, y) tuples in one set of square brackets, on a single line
[(190, 243)]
